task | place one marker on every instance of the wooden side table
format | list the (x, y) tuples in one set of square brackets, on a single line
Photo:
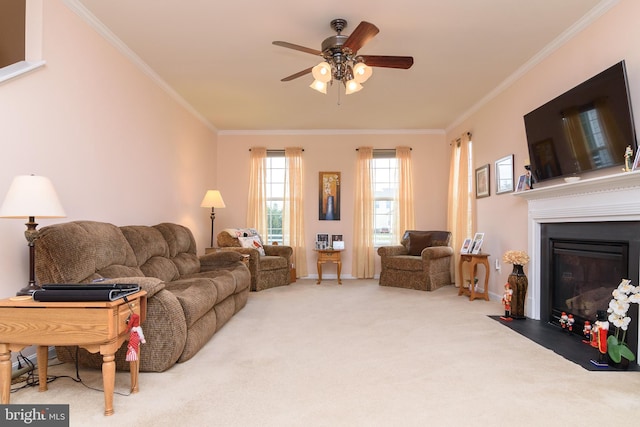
[(329, 255), (99, 326), (474, 260)]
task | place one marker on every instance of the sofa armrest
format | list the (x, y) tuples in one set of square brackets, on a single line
[(152, 285), (435, 252), (385, 251), (278, 250), (219, 259)]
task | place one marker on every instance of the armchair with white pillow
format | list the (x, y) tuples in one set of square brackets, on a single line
[(269, 264)]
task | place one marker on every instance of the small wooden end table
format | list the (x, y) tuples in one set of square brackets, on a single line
[(99, 326), (474, 260), (329, 255)]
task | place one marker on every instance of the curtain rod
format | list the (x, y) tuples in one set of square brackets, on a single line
[(384, 149)]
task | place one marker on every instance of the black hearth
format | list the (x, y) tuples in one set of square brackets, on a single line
[(581, 264)]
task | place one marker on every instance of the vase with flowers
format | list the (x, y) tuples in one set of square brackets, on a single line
[(518, 281), (623, 296)]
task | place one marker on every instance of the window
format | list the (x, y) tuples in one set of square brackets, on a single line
[(385, 189), (276, 172)]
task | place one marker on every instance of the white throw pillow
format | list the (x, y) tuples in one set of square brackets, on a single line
[(252, 242)]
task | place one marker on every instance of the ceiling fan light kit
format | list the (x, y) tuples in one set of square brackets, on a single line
[(341, 62)]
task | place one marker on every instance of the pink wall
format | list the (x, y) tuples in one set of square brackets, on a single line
[(498, 126), (117, 147), (335, 153)]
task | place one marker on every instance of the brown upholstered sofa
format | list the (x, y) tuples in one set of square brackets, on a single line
[(268, 270), (422, 261), (189, 298)]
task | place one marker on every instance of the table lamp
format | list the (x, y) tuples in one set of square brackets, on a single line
[(31, 196), (212, 199)]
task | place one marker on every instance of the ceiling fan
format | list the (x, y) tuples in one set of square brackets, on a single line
[(341, 60)]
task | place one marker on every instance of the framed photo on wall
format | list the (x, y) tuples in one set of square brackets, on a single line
[(504, 174), (329, 196), (482, 181)]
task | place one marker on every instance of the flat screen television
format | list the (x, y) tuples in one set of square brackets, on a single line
[(585, 129)]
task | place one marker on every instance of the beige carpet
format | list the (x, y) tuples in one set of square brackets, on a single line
[(360, 355)]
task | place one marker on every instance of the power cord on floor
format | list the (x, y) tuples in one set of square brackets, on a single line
[(32, 379)]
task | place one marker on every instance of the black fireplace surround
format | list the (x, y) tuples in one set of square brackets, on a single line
[(581, 264)]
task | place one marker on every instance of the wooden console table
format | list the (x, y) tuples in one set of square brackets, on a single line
[(329, 255), (474, 260), (99, 326)]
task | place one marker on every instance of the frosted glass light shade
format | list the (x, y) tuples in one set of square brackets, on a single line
[(362, 72), (31, 196), (352, 86), (212, 199), (322, 72), (319, 86)]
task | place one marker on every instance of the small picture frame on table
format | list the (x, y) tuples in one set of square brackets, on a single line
[(466, 245), (322, 241), (476, 244)]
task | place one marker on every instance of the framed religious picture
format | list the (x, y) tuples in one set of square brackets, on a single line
[(329, 196), (482, 181)]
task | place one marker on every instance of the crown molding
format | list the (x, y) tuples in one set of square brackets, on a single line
[(588, 19), (80, 10), (334, 132)]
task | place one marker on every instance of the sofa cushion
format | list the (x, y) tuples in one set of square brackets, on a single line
[(197, 296), (405, 262), (415, 241), (182, 247), (273, 263), (80, 251)]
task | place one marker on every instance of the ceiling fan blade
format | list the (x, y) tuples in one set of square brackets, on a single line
[(364, 32), (296, 75), (403, 62), (297, 47)]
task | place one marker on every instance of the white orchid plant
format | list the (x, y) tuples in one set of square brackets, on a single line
[(623, 296)]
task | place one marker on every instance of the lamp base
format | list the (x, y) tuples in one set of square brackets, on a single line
[(29, 290)]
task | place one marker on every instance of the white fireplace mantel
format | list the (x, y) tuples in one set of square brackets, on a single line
[(605, 198)]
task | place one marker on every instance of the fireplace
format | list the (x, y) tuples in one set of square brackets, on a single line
[(581, 263), (595, 218)]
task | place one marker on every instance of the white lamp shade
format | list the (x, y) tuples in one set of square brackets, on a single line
[(362, 72), (212, 199), (31, 195), (352, 86), (319, 86), (322, 72)]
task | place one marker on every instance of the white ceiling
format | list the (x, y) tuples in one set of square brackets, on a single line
[(218, 55)]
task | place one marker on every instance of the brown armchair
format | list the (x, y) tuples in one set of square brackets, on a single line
[(267, 271), (422, 261)]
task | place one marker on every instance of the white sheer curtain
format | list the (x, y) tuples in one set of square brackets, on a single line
[(461, 215), (293, 212), (406, 215), (363, 249), (257, 199)]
